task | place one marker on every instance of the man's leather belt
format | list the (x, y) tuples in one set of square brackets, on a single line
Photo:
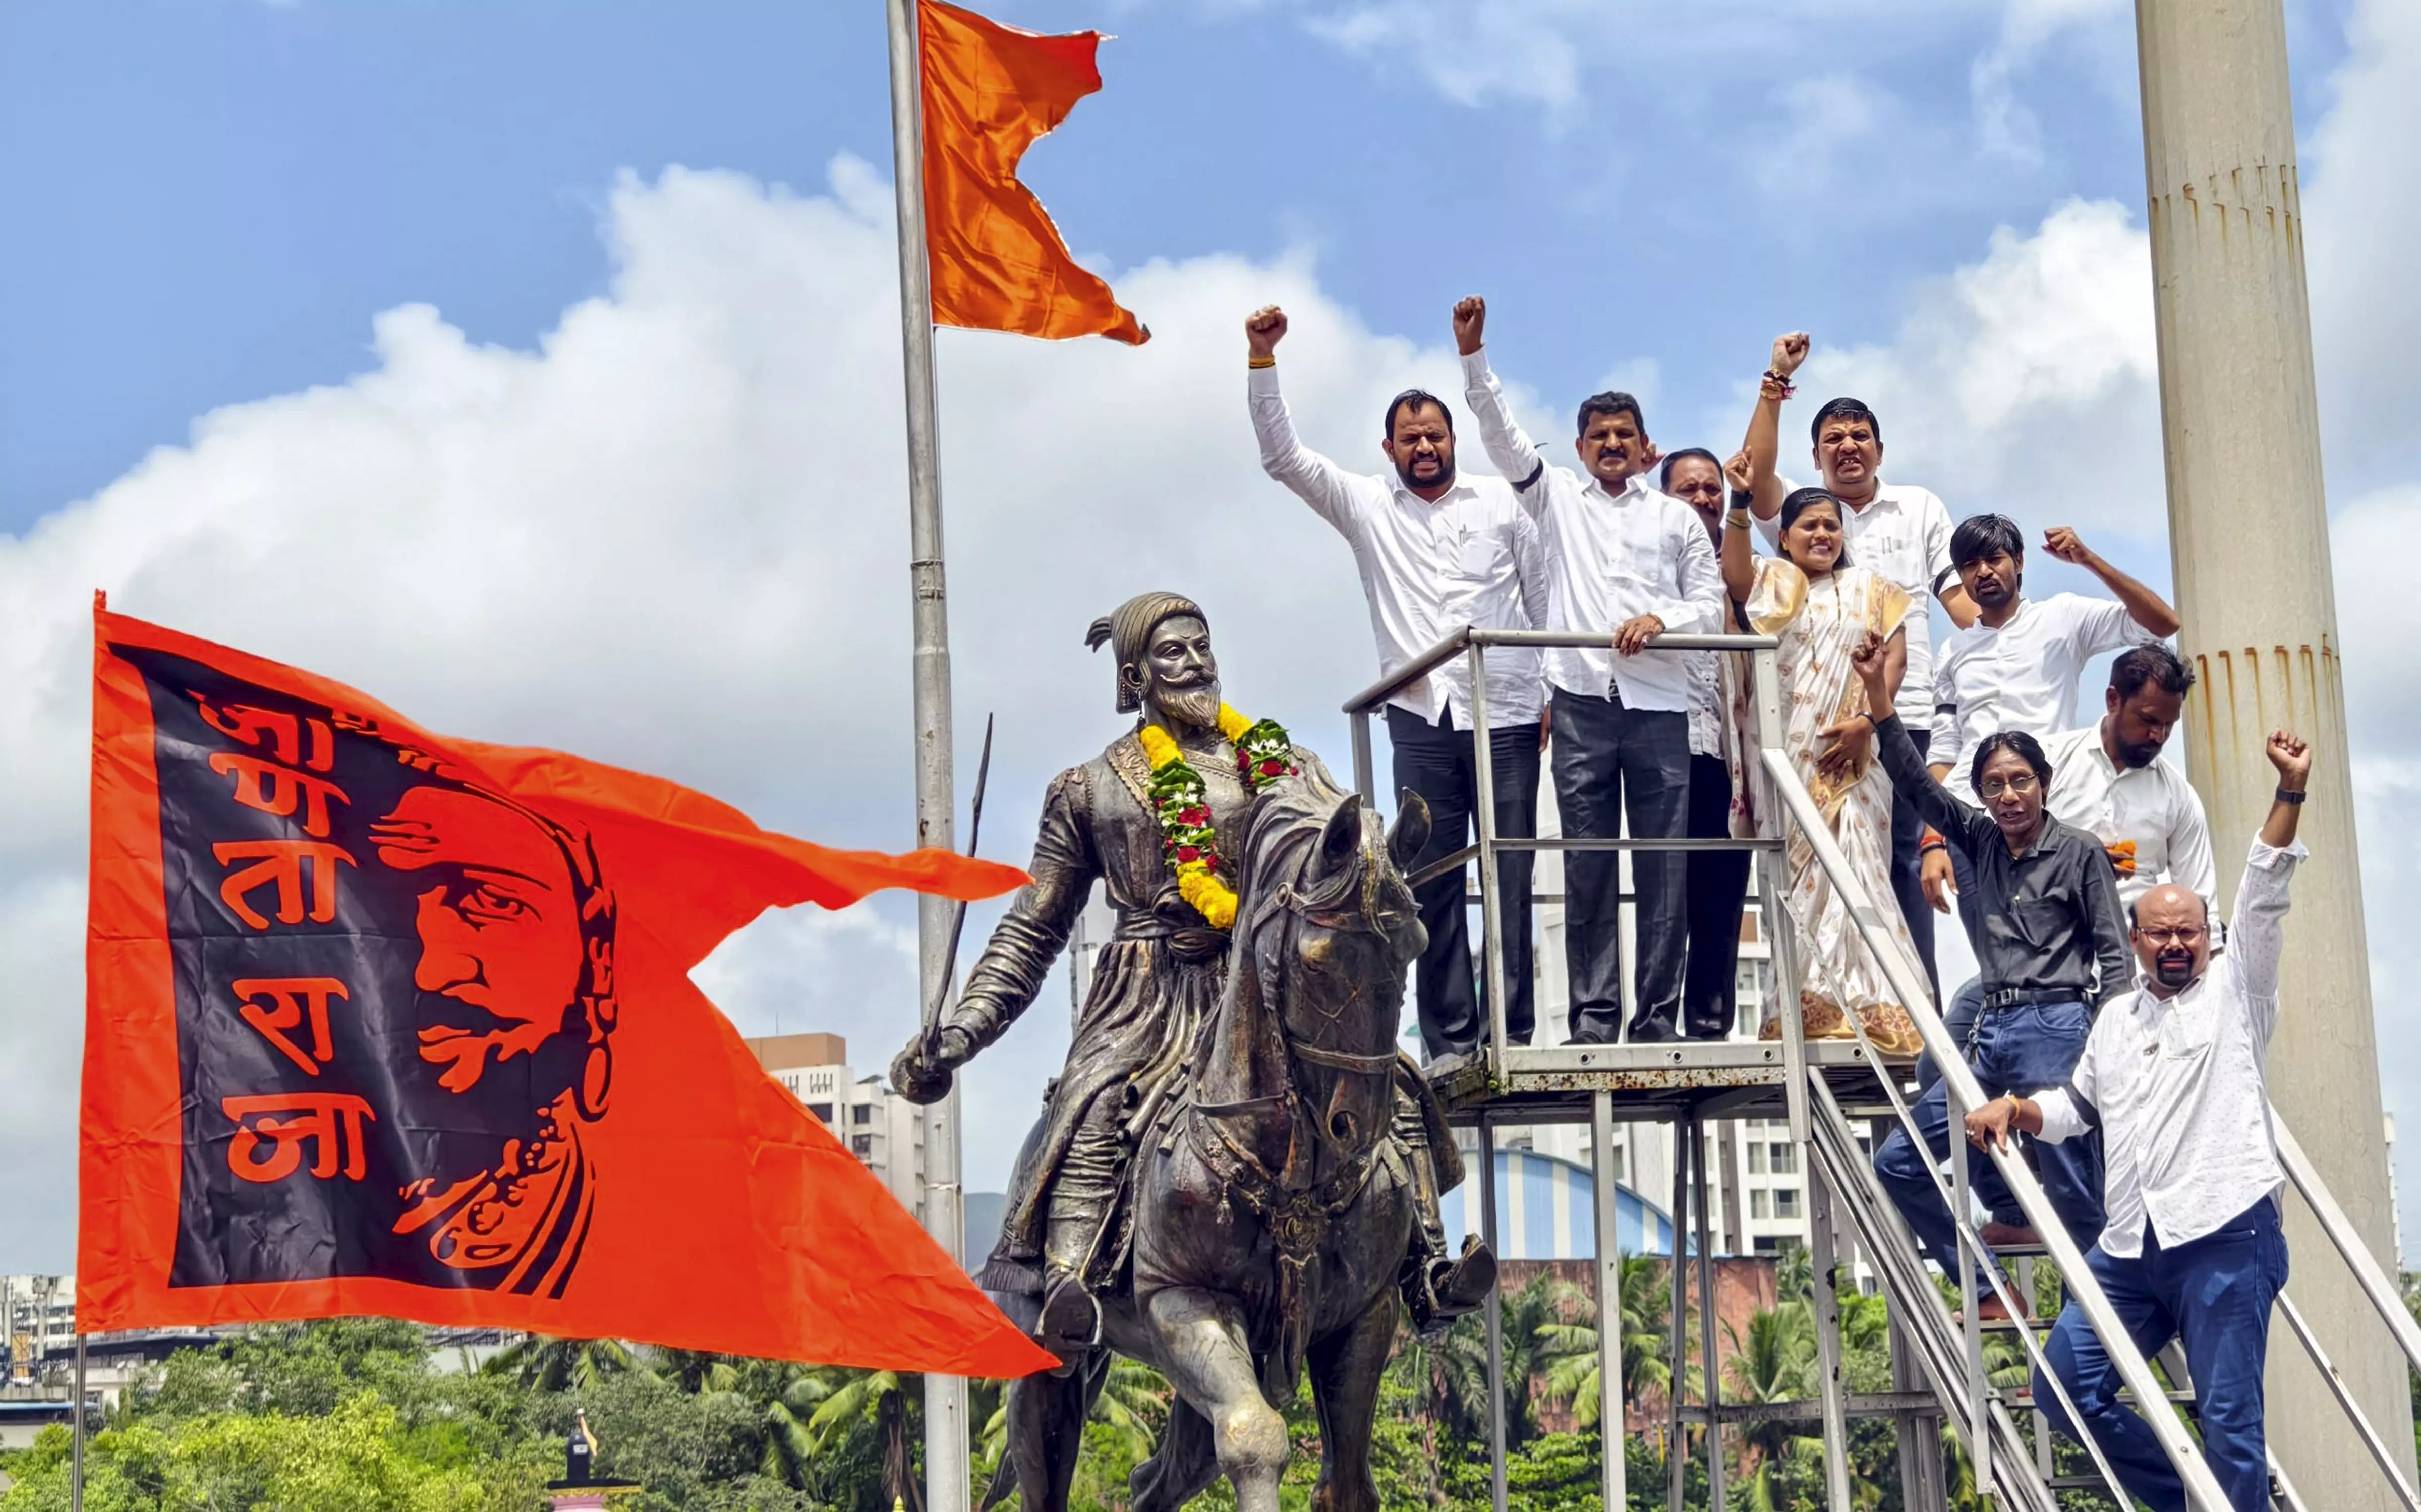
[(2015, 997)]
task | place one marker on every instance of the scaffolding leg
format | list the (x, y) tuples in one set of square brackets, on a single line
[(1495, 1319), (2042, 1424), (1827, 1303), (1612, 1401), (1707, 1357), (1919, 1434), (1677, 1446)]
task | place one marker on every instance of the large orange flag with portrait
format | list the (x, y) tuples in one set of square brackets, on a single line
[(997, 262), (383, 1022)]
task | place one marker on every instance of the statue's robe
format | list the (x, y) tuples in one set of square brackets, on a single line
[(1155, 981)]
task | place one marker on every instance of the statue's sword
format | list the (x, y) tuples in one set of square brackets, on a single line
[(959, 911)]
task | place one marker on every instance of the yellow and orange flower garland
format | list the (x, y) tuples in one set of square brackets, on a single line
[(1183, 805)]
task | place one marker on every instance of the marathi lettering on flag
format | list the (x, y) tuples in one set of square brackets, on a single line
[(380, 1023)]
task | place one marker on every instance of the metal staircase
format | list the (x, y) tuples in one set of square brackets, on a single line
[(1826, 1090)]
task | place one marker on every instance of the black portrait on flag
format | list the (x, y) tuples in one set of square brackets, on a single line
[(395, 1001)]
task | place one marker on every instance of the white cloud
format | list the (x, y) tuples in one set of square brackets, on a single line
[(674, 537), (2005, 126)]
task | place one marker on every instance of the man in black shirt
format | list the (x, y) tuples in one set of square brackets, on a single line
[(2051, 944)]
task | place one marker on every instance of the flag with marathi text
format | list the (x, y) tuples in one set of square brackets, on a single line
[(997, 262), (382, 1022)]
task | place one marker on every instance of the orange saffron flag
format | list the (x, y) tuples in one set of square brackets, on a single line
[(998, 263), (383, 1022)]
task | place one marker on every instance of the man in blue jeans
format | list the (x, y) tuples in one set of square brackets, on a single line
[(2051, 942), (2174, 1078)]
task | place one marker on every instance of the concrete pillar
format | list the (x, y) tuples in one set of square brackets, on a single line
[(2249, 541)]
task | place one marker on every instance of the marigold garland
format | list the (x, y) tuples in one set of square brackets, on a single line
[(1183, 805)]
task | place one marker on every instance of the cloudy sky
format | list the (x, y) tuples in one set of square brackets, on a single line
[(535, 368)]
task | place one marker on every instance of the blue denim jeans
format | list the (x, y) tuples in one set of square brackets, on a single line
[(2213, 1295), (1966, 1007), (2023, 1050)]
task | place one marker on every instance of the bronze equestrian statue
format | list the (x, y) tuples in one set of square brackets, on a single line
[(1237, 1173)]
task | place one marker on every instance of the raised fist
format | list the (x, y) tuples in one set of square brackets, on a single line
[(1739, 473), (1470, 324), (2292, 756), (1790, 352), (1264, 329), (2066, 544)]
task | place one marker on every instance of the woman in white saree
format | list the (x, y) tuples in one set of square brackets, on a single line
[(1818, 605)]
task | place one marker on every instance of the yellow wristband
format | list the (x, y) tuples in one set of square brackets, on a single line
[(1261, 362)]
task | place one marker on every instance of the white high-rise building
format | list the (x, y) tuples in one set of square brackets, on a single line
[(37, 1315), (1758, 1204), (880, 1128)]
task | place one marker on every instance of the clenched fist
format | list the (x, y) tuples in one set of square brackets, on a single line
[(1264, 329)]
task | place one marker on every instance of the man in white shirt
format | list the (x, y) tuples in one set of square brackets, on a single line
[(1437, 550), (1626, 561), (2016, 667), (2174, 1076), (2108, 778), (1898, 531)]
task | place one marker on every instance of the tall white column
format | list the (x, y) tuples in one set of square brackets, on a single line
[(2248, 528)]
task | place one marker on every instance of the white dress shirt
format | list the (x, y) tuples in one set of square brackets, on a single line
[(2021, 677), (1472, 557), (2153, 808), (1611, 557), (1902, 536), (2178, 1084)]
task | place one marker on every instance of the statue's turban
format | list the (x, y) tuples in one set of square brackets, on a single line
[(1129, 628)]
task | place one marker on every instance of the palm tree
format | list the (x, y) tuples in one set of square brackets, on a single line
[(1774, 1362), (543, 1363), (695, 1371), (1567, 1351)]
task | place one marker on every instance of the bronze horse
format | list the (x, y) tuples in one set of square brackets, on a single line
[(1270, 1207)]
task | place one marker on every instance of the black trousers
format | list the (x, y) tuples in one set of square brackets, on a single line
[(1438, 762), (1718, 884), (1610, 761), (1908, 874)]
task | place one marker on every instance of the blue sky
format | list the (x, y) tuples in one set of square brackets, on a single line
[(214, 194), (534, 367)]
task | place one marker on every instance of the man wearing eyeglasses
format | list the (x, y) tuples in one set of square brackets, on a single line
[(2174, 1078), (2051, 944)]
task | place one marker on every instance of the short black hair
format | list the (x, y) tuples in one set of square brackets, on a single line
[(1417, 398), (1981, 535), (2154, 663), (2028, 749), (1664, 477), (1844, 408), (1613, 401)]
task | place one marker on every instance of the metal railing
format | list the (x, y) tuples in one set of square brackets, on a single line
[(1951, 1363)]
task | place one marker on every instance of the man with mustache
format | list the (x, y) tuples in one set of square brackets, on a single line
[(1437, 550), (2017, 667), (1626, 560), (2174, 1078), (2050, 941), (1899, 532)]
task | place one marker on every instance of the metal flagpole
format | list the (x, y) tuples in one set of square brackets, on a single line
[(945, 1397), (76, 1464)]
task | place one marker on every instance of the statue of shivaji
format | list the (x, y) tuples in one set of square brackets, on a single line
[(1144, 819)]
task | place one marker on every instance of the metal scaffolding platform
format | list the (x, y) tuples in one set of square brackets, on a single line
[(1826, 1092)]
